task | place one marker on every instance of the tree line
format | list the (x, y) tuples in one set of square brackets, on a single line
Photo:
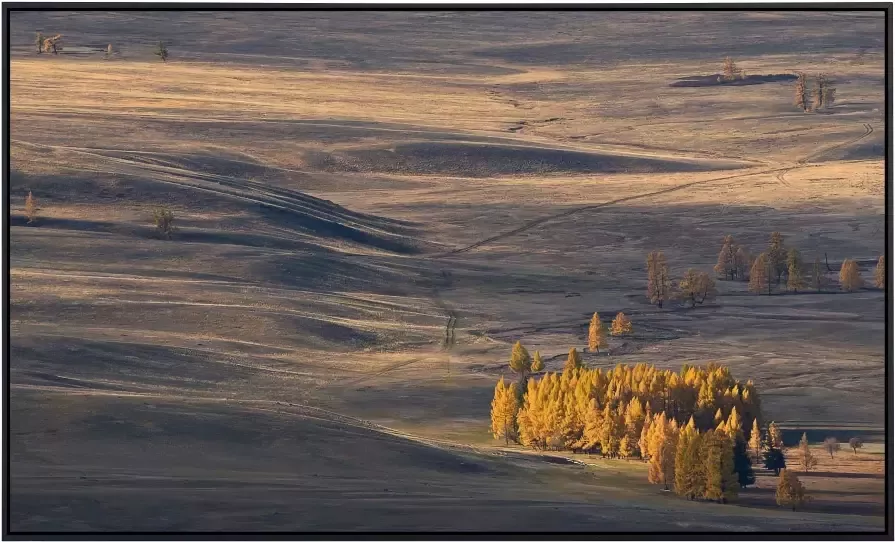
[(772, 269)]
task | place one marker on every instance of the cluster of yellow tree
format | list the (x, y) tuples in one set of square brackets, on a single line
[(583, 409), (637, 412), (777, 262)]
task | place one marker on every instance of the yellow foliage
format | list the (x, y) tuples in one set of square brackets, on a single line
[(621, 325)]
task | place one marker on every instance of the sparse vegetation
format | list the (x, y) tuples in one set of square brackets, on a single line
[(30, 207), (161, 51), (164, 222), (850, 277)]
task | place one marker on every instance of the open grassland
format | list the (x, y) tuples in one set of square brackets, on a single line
[(368, 215)]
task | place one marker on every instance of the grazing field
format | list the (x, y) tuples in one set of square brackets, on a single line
[(370, 209)]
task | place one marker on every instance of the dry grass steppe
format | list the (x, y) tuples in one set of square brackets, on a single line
[(345, 185)]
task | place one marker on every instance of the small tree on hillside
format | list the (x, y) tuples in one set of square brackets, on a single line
[(658, 282), (30, 207), (161, 51), (39, 41), (759, 281), (596, 334), (790, 491), (795, 281), (730, 72), (850, 277), (831, 445), (537, 364), (879, 274), (520, 361), (164, 221), (855, 443), (801, 98), (621, 325), (696, 287), (806, 459)]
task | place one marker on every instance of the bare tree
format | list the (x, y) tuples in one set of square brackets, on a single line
[(161, 51), (855, 443), (801, 98), (831, 445), (164, 221)]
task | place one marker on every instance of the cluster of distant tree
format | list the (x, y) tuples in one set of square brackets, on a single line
[(54, 45), (822, 95), (779, 266)]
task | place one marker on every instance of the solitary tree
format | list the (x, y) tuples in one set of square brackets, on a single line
[(504, 408), (520, 361), (806, 459), (30, 208), (164, 221), (621, 325), (855, 443), (695, 287), (879, 274), (596, 334), (161, 51), (658, 282), (795, 281), (831, 445), (849, 276), (39, 40), (758, 275), (801, 98), (790, 491), (730, 71), (537, 364)]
